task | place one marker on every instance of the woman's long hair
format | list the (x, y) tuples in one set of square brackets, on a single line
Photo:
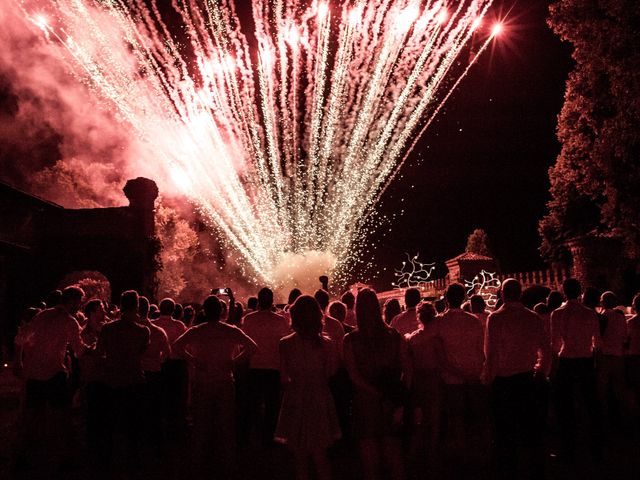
[(368, 313), (306, 317)]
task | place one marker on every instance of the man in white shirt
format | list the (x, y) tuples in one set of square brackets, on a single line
[(575, 334), (266, 328), (516, 345), (610, 367), (214, 349), (407, 322), (43, 345), (462, 338)]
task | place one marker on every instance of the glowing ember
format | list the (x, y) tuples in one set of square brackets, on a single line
[(284, 142)]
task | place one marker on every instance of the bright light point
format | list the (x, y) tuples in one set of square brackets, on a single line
[(497, 29), (442, 16), (41, 22), (354, 16), (266, 58), (476, 23), (181, 179), (292, 36), (323, 10), (406, 18)]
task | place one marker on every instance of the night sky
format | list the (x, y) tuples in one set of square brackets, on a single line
[(483, 163)]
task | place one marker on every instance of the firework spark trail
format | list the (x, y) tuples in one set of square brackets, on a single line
[(284, 142)]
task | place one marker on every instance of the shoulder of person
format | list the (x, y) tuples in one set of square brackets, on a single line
[(397, 318), (350, 337), (414, 337), (287, 340)]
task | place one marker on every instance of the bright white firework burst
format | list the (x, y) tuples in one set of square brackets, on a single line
[(283, 138)]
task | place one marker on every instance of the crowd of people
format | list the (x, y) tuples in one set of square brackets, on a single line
[(404, 387)]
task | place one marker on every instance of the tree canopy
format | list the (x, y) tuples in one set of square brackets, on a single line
[(478, 242), (595, 183)]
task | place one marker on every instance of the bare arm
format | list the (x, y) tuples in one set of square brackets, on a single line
[(556, 332), (596, 338), (544, 350), (406, 363), (285, 377), (248, 347), (180, 346), (165, 351)]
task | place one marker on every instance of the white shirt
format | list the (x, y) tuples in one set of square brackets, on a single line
[(514, 338), (406, 322), (575, 330), (172, 327), (266, 329), (44, 342), (615, 334), (463, 342)]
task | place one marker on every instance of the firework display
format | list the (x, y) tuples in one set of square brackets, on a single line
[(284, 124)]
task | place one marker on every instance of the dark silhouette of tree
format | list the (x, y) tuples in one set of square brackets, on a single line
[(478, 242), (595, 181)]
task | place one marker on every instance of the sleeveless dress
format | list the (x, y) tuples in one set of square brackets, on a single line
[(308, 417)]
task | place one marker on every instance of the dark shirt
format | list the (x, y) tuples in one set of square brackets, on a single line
[(122, 343)]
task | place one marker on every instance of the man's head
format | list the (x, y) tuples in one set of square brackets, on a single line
[(609, 300), (348, 299), (636, 303), (265, 299), (591, 297), (411, 297), (293, 295), (338, 310), (212, 308), (322, 297), (478, 305), (189, 313), (129, 302), (143, 307), (554, 300), (71, 299), (455, 295), (426, 313), (53, 298), (571, 288), (252, 303), (94, 311), (167, 306), (511, 290)]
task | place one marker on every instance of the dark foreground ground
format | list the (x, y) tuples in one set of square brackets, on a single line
[(621, 458)]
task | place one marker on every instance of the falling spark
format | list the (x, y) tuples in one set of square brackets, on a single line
[(283, 139)]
